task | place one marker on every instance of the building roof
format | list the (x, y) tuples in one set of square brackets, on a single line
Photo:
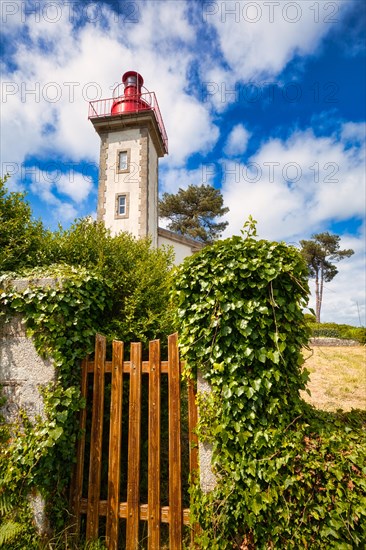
[(175, 237)]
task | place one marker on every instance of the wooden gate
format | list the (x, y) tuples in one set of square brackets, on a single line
[(90, 504)]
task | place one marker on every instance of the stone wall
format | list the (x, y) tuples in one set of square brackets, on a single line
[(22, 370), (22, 373), (333, 342)]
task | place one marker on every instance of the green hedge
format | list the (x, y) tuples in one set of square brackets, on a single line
[(334, 330)]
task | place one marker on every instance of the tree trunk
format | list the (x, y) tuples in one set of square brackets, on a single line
[(317, 297), (320, 292)]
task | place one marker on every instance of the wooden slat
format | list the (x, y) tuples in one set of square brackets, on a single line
[(115, 435), (175, 491), (164, 511), (154, 447), (134, 442), (77, 484), (96, 440), (127, 367)]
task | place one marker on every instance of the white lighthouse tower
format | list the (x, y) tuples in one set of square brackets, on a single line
[(133, 138)]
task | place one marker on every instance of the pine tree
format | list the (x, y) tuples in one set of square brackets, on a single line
[(192, 212), (319, 252)]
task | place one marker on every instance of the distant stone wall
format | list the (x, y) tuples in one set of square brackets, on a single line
[(333, 342)]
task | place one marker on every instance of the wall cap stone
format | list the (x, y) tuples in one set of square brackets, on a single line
[(41, 282)]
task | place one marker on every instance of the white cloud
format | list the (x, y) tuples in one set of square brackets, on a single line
[(260, 38), (161, 22), (190, 128), (44, 185), (330, 187), (328, 184), (237, 141), (179, 178), (74, 185), (354, 132), (65, 212), (11, 16)]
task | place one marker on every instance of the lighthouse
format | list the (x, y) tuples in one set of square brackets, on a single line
[(133, 138)]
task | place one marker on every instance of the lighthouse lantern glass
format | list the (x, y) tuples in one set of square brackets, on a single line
[(131, 81)]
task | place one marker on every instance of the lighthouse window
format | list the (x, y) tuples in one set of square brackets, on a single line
[(122, 206), (123, 161)]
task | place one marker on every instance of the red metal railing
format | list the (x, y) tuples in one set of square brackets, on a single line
[(136, 104)]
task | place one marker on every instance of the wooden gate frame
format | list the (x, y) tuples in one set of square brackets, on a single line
[(132, 510)]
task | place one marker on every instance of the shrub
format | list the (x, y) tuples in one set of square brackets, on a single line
[(334, 330), (287, 476), (309, 317)]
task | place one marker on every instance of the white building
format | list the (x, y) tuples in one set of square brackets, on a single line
[(133, 138)]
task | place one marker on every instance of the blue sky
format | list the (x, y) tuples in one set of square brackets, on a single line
[(264, 99)]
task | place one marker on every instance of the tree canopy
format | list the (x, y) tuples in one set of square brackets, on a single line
[(135, 275), (20, 236), (192, 212), (319, 253)]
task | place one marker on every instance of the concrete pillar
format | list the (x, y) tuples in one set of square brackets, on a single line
[(207, 477)]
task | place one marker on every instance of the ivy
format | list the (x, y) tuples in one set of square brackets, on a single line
[(62, 319), (287, 476)]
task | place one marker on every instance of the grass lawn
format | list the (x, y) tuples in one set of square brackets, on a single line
[(337, 377)]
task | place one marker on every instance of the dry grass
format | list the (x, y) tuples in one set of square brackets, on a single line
[(337, 377)]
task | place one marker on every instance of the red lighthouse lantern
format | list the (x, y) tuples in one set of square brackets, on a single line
[(131, 99), (130, 105)]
